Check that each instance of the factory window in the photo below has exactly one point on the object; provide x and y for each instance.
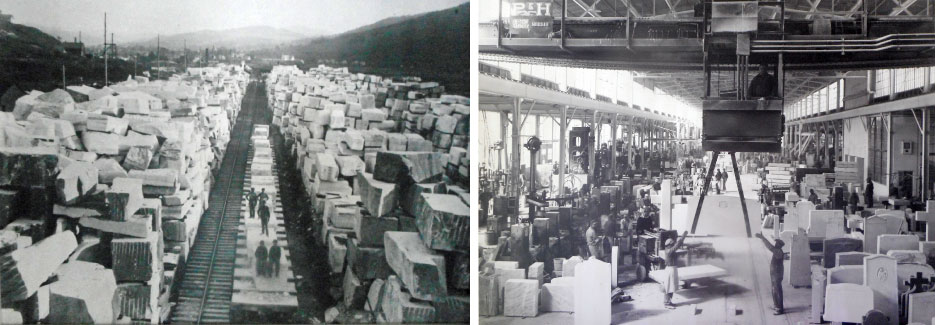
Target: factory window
(883, 83)
(878, 142)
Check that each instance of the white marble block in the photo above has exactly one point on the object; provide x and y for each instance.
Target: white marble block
(921, 306)
(559, 297)
(521, 298)
(535, 272)
(592, 292)
(847, 302)
(886, 243)
(880, 276)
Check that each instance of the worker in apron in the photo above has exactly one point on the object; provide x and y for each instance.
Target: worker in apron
(671, 283)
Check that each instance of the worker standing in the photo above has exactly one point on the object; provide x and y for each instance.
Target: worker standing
(252, 198)
(762, 85)
(671, 283)
(853, 201)
(275, 253)
(812, 196)
(593, 237)
(261, 255)
(868, 193)
(263, 196)
(717, 179)
(775, 272)
(264, 218)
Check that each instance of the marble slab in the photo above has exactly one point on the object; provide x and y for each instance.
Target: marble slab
(592, 292)
(521, 298)
(847, 302)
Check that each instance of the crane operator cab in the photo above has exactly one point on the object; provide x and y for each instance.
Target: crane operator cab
(747, 117)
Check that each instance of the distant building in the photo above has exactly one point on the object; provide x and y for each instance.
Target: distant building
(76, 47)
(5, 19)
(287, 57)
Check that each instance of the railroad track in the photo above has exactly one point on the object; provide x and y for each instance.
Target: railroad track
(204, 294)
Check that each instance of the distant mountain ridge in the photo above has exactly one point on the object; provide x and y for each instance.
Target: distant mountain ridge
(246, 38)
(433, 45)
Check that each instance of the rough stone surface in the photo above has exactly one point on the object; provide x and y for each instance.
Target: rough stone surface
(399, 307)
(419, 268)
(443, 221)
(25, 269)
(419, 167)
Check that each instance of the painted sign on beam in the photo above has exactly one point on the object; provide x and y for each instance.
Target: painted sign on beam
(531, 19)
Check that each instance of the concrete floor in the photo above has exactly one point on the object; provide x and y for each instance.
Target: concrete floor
(746, 288)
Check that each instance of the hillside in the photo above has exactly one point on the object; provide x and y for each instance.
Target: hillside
(244, 38)
(32, 59)
(434, 46)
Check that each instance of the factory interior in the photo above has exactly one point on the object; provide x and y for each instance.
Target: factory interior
(710, 162)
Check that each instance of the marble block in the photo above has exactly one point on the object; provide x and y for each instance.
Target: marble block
(907, 256)
(906, 271)
(592, 292)
(826, 223)
(521, 298)
(557, 297)
(568, 267)
(818, 295)
(895, 221)
(850, 258)
(928, 249)
(838, 245)
(885, 243)
(846, 274)
(921, 307)
(847, 302)
(535, 272)
(489, 296)
(880, 276)
(874, 226)
(786, 236)
(799, 261)
(504, 275)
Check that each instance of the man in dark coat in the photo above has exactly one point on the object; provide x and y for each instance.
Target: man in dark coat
(264, 218)
(762, 85)
(868, 194)
(261, 256)
(252, 198)
(275, 252)
(775, 272)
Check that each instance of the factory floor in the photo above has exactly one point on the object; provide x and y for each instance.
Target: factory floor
(743, 296)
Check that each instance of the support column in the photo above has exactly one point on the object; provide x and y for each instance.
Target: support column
(540, 138)
(502, 156)
(613, 148)
(591, 163)
(562, 150)
(514, 169)
(925, 154)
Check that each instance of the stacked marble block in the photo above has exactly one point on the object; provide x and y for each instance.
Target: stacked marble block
(119, 170)
(397, 234)
(873, 272)
(524, 294)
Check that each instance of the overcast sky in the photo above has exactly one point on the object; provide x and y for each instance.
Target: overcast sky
(138, 19)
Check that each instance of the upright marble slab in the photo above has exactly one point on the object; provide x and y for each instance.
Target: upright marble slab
(802, 210)
(592, 293)
(557, 297)
(819, 280)
(535, 272)
(928, 217)
(521, 298)
(846, 274)
(895, 221)
(839, 245)
(885, 243)
(921, 307)
(850, 258)
(874, 226)
(826, 224)
(799, 261)
(786, 236)
(906, 271)
(847, 302)
(907, 256)
(614, 267)
(880, 276)
(568, 267)
(928, 249)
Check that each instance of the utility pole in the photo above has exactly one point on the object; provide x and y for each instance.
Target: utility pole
(158, 67)
(105, 49)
